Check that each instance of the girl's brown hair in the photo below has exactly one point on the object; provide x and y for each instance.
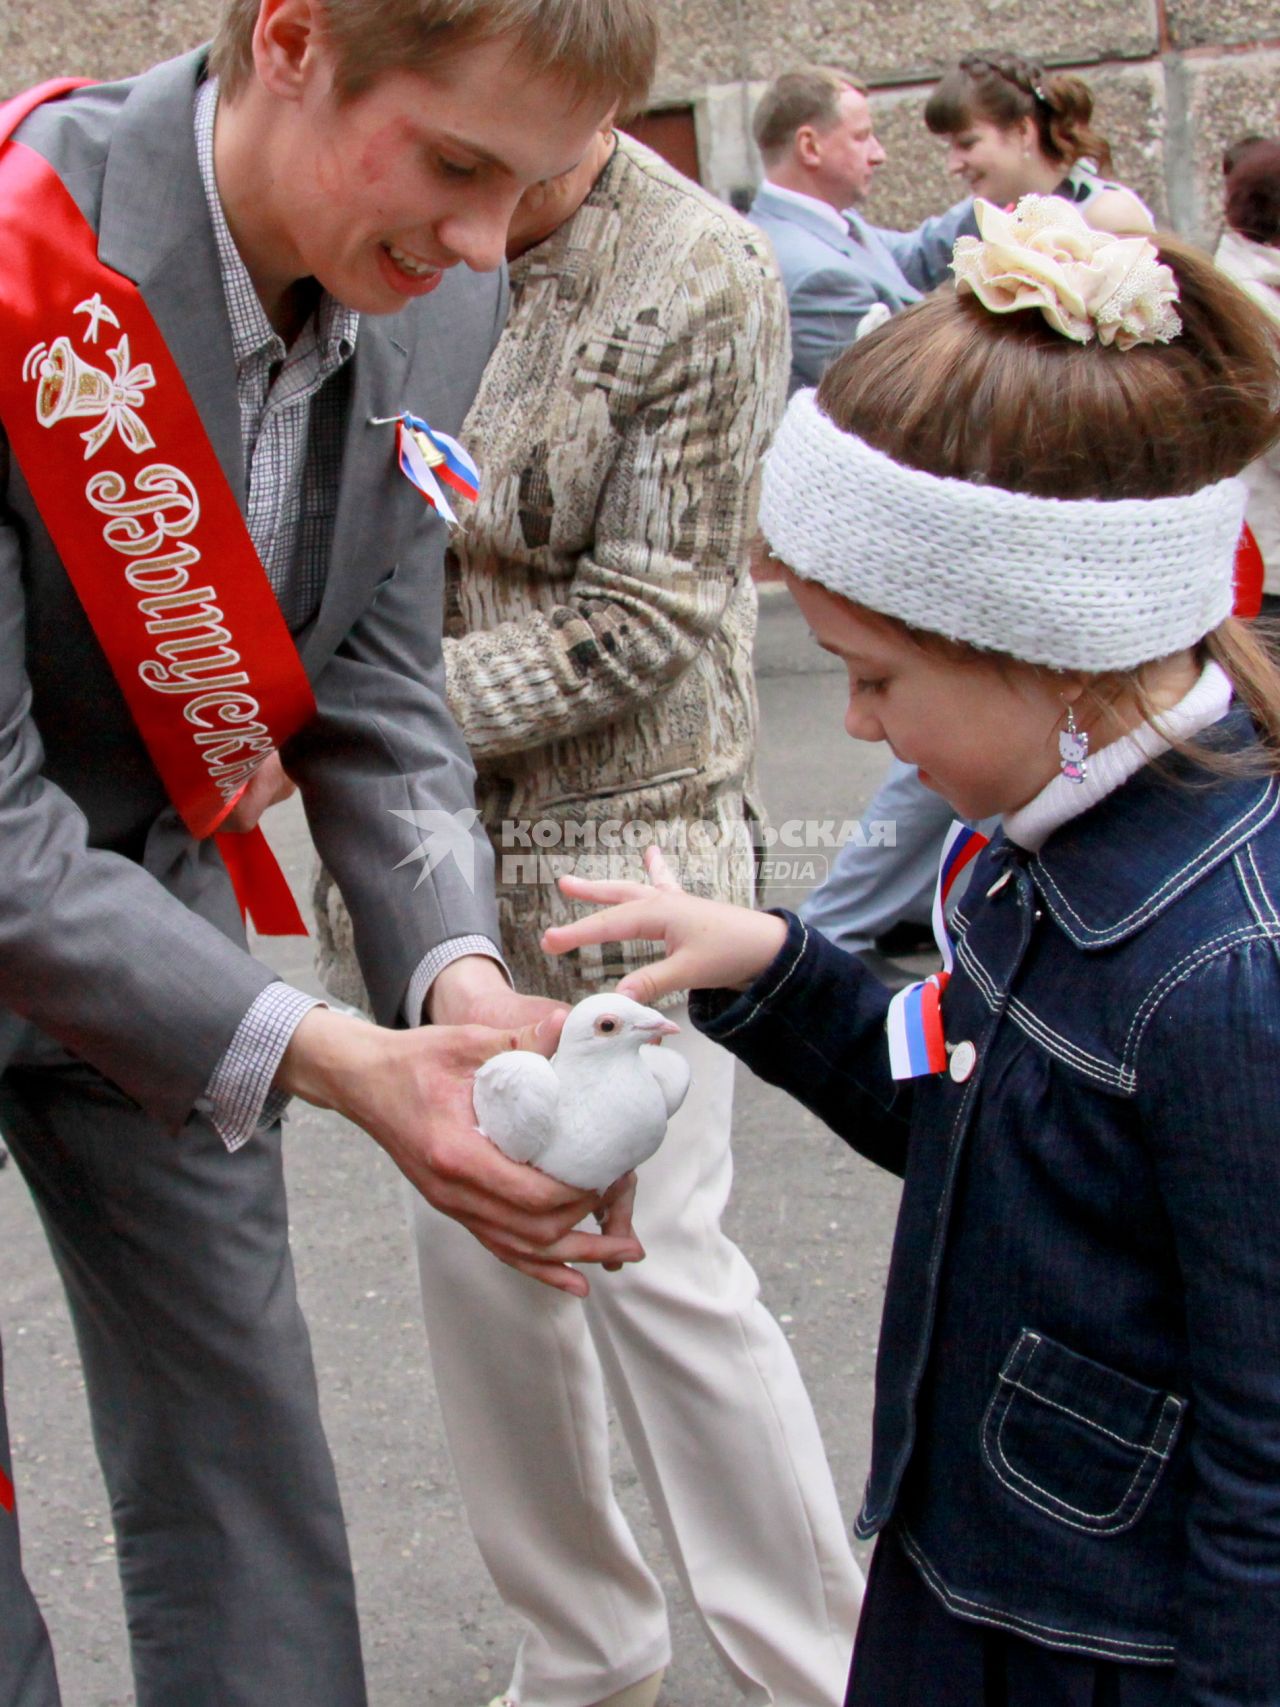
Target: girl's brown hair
(1004, 89)
(1253, 192)
(1004, 400)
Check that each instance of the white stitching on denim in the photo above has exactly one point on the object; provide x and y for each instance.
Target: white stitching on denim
(1091, 1065)
(1072, 1053)
(1096, 1519)
(771, 993)
(1177, 974)
(981, 978)
(1164, 1431)
(1246, 886)
(1264, 895)
(1099, 1523)
(1033, 1026)
(1109, 1647)
(966, 1097)
(1199, 859)
(1124, 1077)
(1092, 1422)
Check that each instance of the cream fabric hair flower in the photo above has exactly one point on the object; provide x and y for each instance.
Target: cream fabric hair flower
(1086, 283)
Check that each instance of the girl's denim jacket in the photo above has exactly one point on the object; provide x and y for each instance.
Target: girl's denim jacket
(1077, 1414)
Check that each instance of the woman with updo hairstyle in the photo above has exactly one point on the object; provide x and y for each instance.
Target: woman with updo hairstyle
(1014, 129)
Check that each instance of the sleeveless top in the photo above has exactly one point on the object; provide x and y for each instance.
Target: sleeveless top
(1083, 183)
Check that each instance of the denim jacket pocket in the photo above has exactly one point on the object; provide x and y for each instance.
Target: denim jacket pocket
(1078, 1441)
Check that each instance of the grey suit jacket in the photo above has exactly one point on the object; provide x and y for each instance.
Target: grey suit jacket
(119, 938)
(832, 280)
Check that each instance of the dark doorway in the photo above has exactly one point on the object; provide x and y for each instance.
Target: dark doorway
(670, 132)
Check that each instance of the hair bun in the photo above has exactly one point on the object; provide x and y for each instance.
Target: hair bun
(1086, 283)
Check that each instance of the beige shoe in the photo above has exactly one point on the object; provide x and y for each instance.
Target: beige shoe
(642, 1694)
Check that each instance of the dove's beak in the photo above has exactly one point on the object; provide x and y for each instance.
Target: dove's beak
(657, 1029)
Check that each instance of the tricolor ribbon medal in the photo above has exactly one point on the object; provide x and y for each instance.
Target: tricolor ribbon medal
(914, 1021)
(431, 460)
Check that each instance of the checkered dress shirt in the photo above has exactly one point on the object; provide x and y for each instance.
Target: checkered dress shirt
(292, 495)
(293, 463)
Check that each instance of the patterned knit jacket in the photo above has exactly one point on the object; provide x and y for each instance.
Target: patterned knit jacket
(600, 618)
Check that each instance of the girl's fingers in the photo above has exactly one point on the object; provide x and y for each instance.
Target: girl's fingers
(629, 922)
(606, 892)
(660, 873)
(649, 984)
(601, 890)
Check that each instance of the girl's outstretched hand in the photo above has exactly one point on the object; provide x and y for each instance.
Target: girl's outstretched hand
(710, 944)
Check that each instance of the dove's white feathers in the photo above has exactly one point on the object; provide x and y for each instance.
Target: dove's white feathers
(517, 1094)
(672, 1073)
(599, 1107)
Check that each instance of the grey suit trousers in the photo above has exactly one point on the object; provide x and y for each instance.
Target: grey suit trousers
(26, 1660)
(202, 1392)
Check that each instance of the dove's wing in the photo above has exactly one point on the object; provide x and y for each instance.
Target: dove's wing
(516, 1096)
(670, 1070)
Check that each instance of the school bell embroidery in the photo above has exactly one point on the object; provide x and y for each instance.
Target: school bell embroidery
(68, 386)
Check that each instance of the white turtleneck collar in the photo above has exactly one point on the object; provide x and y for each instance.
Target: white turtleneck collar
(1060, 800)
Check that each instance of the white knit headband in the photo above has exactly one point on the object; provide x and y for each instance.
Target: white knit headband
(1073, 583)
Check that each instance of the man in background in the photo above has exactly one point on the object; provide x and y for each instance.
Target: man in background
(814, 132)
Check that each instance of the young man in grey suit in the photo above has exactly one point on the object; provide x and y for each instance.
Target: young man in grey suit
(814, 132)
(301, 211)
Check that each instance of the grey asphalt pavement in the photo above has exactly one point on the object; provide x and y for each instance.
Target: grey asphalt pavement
(815, 1220)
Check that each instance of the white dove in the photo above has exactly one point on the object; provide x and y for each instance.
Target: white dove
(598, 1107)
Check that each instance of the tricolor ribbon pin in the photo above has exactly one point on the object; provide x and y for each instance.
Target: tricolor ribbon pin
(917, 1045)
(431, 460)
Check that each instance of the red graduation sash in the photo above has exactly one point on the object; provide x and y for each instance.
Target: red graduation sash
(148, 529)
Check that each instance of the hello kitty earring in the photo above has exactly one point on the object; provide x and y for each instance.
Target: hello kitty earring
(1073, 750)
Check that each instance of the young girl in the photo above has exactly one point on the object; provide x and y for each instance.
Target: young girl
(1014, 129)
(1012, 513)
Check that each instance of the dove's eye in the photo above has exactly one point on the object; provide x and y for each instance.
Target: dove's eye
(606, 1026)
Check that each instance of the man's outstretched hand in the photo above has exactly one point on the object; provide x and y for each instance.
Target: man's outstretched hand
(411, 1091)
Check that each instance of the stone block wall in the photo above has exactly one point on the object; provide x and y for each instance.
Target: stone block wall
(1175, 80)
(95, 38)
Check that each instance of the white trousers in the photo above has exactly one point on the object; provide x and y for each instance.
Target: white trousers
(716, 1416)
